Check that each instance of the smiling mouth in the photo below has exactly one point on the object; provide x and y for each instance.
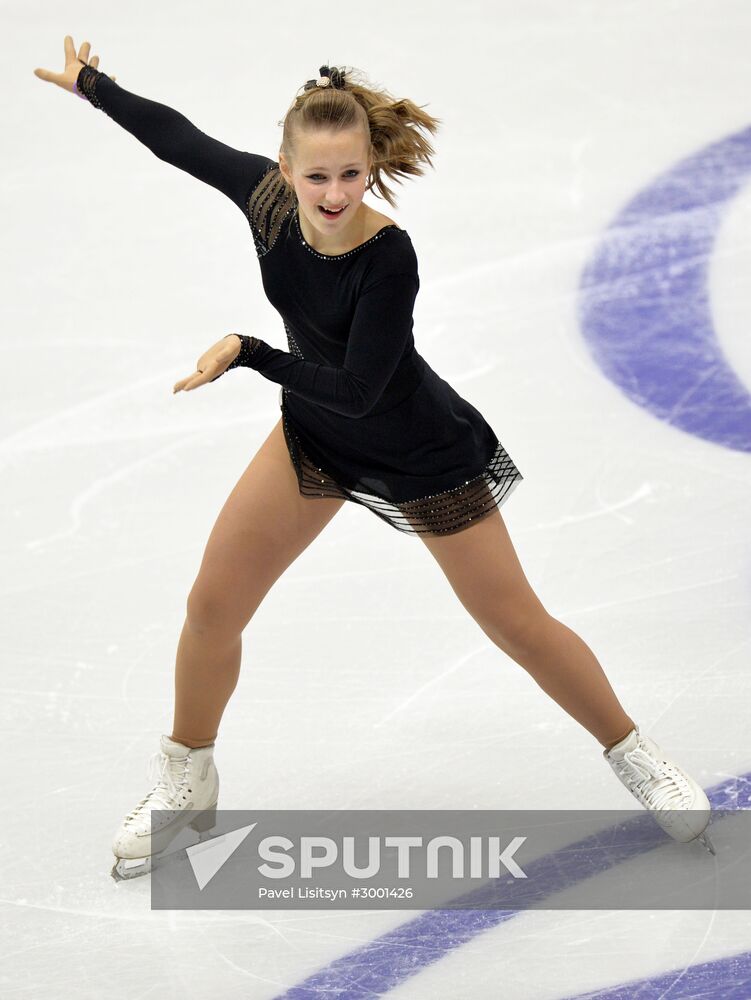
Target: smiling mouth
(329, 214)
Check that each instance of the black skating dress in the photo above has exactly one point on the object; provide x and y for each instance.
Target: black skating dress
(365, 417)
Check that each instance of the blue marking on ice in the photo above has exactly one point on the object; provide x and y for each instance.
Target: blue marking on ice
(644, 305)
(389, 960)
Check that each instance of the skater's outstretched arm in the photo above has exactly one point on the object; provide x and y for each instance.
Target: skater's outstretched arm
(380, 336)
(166, 132)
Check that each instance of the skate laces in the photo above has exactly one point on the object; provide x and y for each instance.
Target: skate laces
(660, 785)
(162, 794)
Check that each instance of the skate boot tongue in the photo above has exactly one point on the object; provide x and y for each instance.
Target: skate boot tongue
(628, 743)
(174, 749)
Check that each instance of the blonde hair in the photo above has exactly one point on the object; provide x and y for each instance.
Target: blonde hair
(396, 146)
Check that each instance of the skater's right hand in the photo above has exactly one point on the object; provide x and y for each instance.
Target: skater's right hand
(73, 63)
(212, 363)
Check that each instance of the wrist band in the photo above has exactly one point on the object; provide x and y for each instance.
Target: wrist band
(248, 348)
(89, 75)
(76, 91)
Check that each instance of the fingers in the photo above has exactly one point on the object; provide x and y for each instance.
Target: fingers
(192, 381)
(94, 61)
(70, 58)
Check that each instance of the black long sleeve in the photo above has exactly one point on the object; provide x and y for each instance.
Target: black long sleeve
(173, 138)
(380, 332)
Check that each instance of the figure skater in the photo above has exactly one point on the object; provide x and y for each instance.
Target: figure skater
(363, 418)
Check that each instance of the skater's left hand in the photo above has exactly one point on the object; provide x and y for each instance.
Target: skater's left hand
(212, 363)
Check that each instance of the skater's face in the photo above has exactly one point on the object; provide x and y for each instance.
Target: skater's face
(329, 169)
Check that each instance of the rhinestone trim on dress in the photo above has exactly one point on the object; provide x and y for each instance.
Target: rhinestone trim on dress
(248, 347)
(86, 82)
(292, 343)
(268, 205)
(436, 514)
(341, 256)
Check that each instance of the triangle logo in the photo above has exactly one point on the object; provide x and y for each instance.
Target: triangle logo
(208, 857)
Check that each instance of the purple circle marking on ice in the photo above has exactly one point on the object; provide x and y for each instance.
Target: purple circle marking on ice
(392, 958)
(644, 302)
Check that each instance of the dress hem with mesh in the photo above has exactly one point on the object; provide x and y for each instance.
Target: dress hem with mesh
(437, 514)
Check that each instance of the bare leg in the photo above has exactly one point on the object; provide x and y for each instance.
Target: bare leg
(206, 673)
(484, 571)
(262, 528)
(568, 671)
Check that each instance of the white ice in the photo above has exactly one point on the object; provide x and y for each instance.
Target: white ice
(365, 683)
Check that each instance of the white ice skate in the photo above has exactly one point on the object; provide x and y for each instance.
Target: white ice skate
(661, 786)
(186, 779)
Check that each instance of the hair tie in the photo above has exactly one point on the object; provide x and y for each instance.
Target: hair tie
(329, 77)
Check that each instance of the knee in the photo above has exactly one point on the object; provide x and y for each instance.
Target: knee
(208, 612)
(516, 629)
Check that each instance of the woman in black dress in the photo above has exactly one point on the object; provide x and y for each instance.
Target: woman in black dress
(363, 418)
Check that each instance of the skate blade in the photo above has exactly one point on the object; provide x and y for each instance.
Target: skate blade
(125, 868)
(704, 839)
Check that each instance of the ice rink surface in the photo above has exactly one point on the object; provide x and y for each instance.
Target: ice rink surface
(584, 259)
